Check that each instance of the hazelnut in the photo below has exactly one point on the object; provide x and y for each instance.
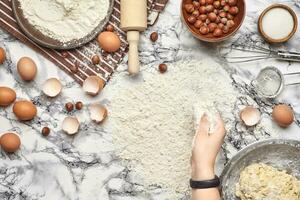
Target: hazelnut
(217, 4)
(196, 13)
(196, 4)
(218, 20)
(79, 105)
(95, 59)
(189, 8)
(216, 11)
(74, 68)
(229, 16)
(209, 2)
(224, 20)
(212, 16)
(222, 14)
(226, 8)
(202, 17)
(46, 131)
(225, 29)
(220, 25)
(2, 55)
(232, 2)
(154, 36)
(204, 30)
(209, 8)
(64, 54)
(191, 19)
(202, 10)
(234, 10)
(207, 21)
(212, 27)
(202, 2)
(110, 28)
(223, 2)
(69, 106)
(230, 23)
(198, 24)
(217, 32)
(163, 68)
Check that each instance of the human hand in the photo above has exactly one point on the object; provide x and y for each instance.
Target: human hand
(206, 147)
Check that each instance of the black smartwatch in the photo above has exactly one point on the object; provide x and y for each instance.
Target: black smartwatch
(205, 184)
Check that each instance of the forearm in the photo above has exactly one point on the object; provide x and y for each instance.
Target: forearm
(204, 173)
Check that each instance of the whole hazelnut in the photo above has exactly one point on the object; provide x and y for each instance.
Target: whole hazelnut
(217, 4)
(222, 14)
(154, 36)
(196, 13)
(218, 20)
(212, 17)
(79, 105)
(64, 54)
(163, 68)
(217, 32)
(209, 2)
(225, 29)
(202, 17)
(202, 10)
(223, 2)
(229, 16)
(2, 55)
(198, 24)
(95, 59)
(230, 23)
(226, 8)
(209, 8)
(220, 25)
(224, 20)
(196, 4)
(232, 2)
(202, 2)
(234, 10)
(189, 8)
(216, 11)
(110, 28)
(191, 19)
(207, 21)
(204, 30)
(74, 68)
(212, 27)
(69, 106)
(46, 131)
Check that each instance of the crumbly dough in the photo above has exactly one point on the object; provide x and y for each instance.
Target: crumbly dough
(263, 182)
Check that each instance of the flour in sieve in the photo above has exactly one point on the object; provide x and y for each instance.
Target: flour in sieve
(153, 122)
(65, 20)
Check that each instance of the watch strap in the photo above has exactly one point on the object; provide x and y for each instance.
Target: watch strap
(205, 183)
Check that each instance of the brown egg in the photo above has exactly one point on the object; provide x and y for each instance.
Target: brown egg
(24, 110)
(109, 41)
(27, 69)
(2, 55)
(10, 142)
(283, 115)
(7, 96)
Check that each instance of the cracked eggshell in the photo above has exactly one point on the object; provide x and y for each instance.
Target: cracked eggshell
(93, 85)
(70, 125)
(98, 113)
(52, 87)
(250, 116)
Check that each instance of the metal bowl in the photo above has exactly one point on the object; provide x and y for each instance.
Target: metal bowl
(279, 153)
(45, 41)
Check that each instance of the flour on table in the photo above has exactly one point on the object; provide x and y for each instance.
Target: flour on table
(65, 20)
(153, 122)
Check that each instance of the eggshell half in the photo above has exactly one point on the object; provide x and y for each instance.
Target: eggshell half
(98, 112)
(70, 125)
(250, 116)
(93, 85)
(52, 87)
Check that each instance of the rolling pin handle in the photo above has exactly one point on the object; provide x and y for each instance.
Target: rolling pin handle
(133, 38)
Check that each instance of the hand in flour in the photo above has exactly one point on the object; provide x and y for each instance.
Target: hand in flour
(206, 147)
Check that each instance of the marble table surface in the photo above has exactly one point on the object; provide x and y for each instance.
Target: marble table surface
(85, 167)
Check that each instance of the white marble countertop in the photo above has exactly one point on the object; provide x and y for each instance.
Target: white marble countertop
(85, 167)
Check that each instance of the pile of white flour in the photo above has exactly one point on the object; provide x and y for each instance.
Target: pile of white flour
(153, 122)
(65, 20)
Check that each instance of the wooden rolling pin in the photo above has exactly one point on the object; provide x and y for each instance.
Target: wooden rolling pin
(133, 20)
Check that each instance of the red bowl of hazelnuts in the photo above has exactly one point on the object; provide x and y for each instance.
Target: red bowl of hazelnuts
(213, 20)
